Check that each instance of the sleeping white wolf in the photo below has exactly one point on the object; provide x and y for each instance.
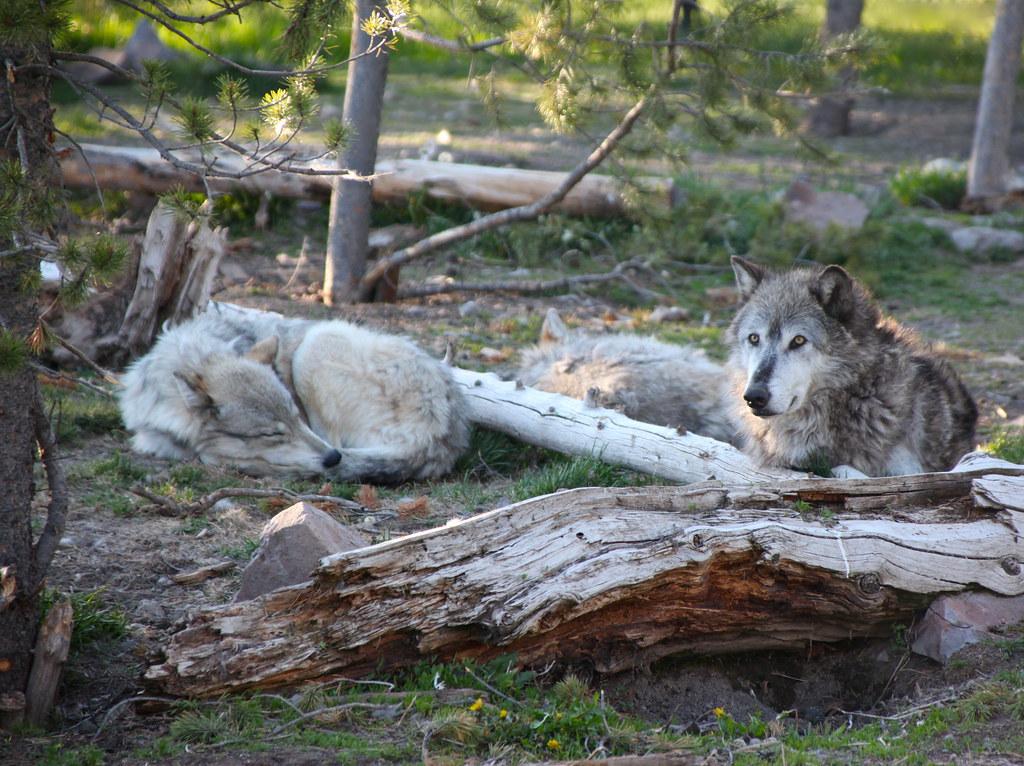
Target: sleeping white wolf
(274, 396)
(641, 377)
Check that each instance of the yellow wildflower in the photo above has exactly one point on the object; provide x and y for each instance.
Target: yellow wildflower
(478, 704)
(502, 714)
(554, 744)
(719, 712)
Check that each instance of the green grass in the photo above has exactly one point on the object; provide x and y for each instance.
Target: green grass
(95, 620)
(571, 472)
(81, 413)
(1007, 443)
(941, 190)
(105, 481)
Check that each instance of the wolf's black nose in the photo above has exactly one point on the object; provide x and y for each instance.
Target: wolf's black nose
(331, 458)
(757, 397)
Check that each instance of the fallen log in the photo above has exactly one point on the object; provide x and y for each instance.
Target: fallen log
(478, 186)
(577, 427)
(611, 577)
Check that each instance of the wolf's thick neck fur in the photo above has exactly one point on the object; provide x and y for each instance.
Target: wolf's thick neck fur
(877, 398)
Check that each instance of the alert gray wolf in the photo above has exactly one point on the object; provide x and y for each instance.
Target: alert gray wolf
(283, 397)
(641, 377)
(826, 378)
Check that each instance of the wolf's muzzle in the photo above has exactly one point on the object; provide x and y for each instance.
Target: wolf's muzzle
(757, 398)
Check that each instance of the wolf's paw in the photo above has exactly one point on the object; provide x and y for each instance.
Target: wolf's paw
(847, 472)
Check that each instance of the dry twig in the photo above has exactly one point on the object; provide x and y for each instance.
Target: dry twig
(170, 507)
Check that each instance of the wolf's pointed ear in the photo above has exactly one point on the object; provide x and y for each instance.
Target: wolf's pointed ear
(834, 290)
(553, 330)
(193, 390)
(748, 276)
(265, 352)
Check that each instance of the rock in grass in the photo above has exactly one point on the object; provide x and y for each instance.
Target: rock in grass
(291, 546)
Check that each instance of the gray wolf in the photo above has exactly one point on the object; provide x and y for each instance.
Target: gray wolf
(642, 377)
(826, 378)
(283, 397)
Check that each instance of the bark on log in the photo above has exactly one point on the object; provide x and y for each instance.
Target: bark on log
(573, 427)
(51, 653)
(478, 186)
(611, 577)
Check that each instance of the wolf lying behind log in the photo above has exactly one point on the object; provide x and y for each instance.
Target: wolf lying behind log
(817, 378)
(641, 377)
(826, 378)
(274, 396)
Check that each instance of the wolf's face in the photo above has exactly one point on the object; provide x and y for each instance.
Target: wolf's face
(781, 360)
(782, 334)
(245, 417)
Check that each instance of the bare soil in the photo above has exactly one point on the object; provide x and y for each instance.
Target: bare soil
(132, 557)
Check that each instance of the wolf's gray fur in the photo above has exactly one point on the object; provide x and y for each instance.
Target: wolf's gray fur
(826, 377)
(642, 377)
(290, 397)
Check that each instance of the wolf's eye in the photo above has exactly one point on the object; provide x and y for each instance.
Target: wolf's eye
(754, 338)
(798, 341)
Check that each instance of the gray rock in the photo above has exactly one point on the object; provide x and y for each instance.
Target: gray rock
(952, 622)
(150, 611)
(819, 210)
(978, 239)
(291, 546)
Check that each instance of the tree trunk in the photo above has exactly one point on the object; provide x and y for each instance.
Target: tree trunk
(351, 201)
(830, 115)
(26, 129)
(986, 173)
(617, 578)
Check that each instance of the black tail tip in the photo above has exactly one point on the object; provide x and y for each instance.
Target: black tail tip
(331, 458)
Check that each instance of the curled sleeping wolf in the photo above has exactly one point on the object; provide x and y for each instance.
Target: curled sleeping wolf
(826, 378)
(274, 396)
(644, 378)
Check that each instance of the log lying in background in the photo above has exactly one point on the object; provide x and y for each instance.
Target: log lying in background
(478, 186)
(573, 427)
(612, 577)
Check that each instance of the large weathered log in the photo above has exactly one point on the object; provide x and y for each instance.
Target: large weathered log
(576, 427)
(478, 186)
(612, 577)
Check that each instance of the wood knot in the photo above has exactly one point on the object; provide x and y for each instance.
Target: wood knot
(698, 541)
(1010, 565)
(869, 584)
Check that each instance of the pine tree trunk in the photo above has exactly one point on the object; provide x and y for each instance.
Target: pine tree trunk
(26, 128)
(351, 203)
(830, 116)
(986, 175)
